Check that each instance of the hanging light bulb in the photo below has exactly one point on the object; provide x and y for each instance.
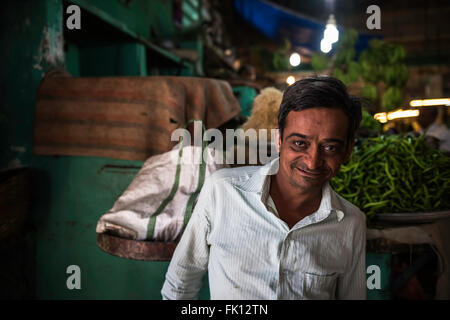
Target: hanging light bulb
(330, 35)
(325, 45)
(331, 32)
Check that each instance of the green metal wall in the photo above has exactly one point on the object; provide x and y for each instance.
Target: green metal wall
(71, 193)
(31, 44)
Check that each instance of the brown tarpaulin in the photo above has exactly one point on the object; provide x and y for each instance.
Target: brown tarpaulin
(124, 117)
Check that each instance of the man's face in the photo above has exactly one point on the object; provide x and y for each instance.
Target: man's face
(313, 147)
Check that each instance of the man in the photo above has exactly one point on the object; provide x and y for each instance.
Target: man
(433, 129)
(280, 231)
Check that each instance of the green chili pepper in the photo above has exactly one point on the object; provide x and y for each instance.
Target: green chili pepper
(395, 174)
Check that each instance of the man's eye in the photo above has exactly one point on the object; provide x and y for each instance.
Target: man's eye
(330, 148)
(299, 143)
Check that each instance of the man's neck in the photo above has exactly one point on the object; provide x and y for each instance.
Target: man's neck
(293, 204)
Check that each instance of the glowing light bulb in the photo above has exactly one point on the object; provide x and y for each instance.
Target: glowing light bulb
(295, 59)
(429, 102)
(290, 80)
(331, 32)
(402, 114)
(325, 46)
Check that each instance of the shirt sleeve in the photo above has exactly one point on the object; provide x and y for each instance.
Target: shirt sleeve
(184, 277)
(352, 284)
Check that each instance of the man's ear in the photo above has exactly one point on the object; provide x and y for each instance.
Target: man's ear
(277, 139)
(349, 151)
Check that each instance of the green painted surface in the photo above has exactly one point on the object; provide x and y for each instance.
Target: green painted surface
(73, 60)
(383, 261)
(109, 45)
(137, 17)
(195, 43)
(72, 194)
(246, 95)
(126, 59)
(191, 13)
(136, 20)
(31, 44)
(69, 193)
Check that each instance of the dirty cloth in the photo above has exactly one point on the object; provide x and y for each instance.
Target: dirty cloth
(435, 234)
(128, 118)
(130, 215)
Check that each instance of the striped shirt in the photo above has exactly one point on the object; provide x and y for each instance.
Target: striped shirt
(250, 253)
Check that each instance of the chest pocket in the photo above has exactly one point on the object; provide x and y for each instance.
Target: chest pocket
(316, 287)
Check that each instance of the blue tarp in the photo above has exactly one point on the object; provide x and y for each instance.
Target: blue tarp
(277, 23)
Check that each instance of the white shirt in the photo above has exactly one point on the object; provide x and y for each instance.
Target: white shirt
(250, 253)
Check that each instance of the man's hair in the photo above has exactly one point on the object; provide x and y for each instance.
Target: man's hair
(327, 92)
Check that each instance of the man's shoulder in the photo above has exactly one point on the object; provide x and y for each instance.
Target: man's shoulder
(235, 176)
(350, 210)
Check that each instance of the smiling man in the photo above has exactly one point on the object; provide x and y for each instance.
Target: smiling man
(280, 231)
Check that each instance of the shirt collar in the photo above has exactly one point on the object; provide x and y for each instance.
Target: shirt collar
(259, 183)
(257, 180)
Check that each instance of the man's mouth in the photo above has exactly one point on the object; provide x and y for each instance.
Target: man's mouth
(309, 174)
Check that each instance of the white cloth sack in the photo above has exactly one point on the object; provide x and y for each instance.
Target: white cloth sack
(130, 215)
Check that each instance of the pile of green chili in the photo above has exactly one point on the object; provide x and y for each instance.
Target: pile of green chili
(396, 173)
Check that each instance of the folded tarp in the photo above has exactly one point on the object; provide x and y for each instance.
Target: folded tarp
(128, 118)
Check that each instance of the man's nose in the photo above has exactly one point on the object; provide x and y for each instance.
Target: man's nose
(314, 159)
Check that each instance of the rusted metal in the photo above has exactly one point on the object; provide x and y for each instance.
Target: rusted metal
(136, 250)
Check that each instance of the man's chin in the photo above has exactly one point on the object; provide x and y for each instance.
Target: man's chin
(306, 183)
